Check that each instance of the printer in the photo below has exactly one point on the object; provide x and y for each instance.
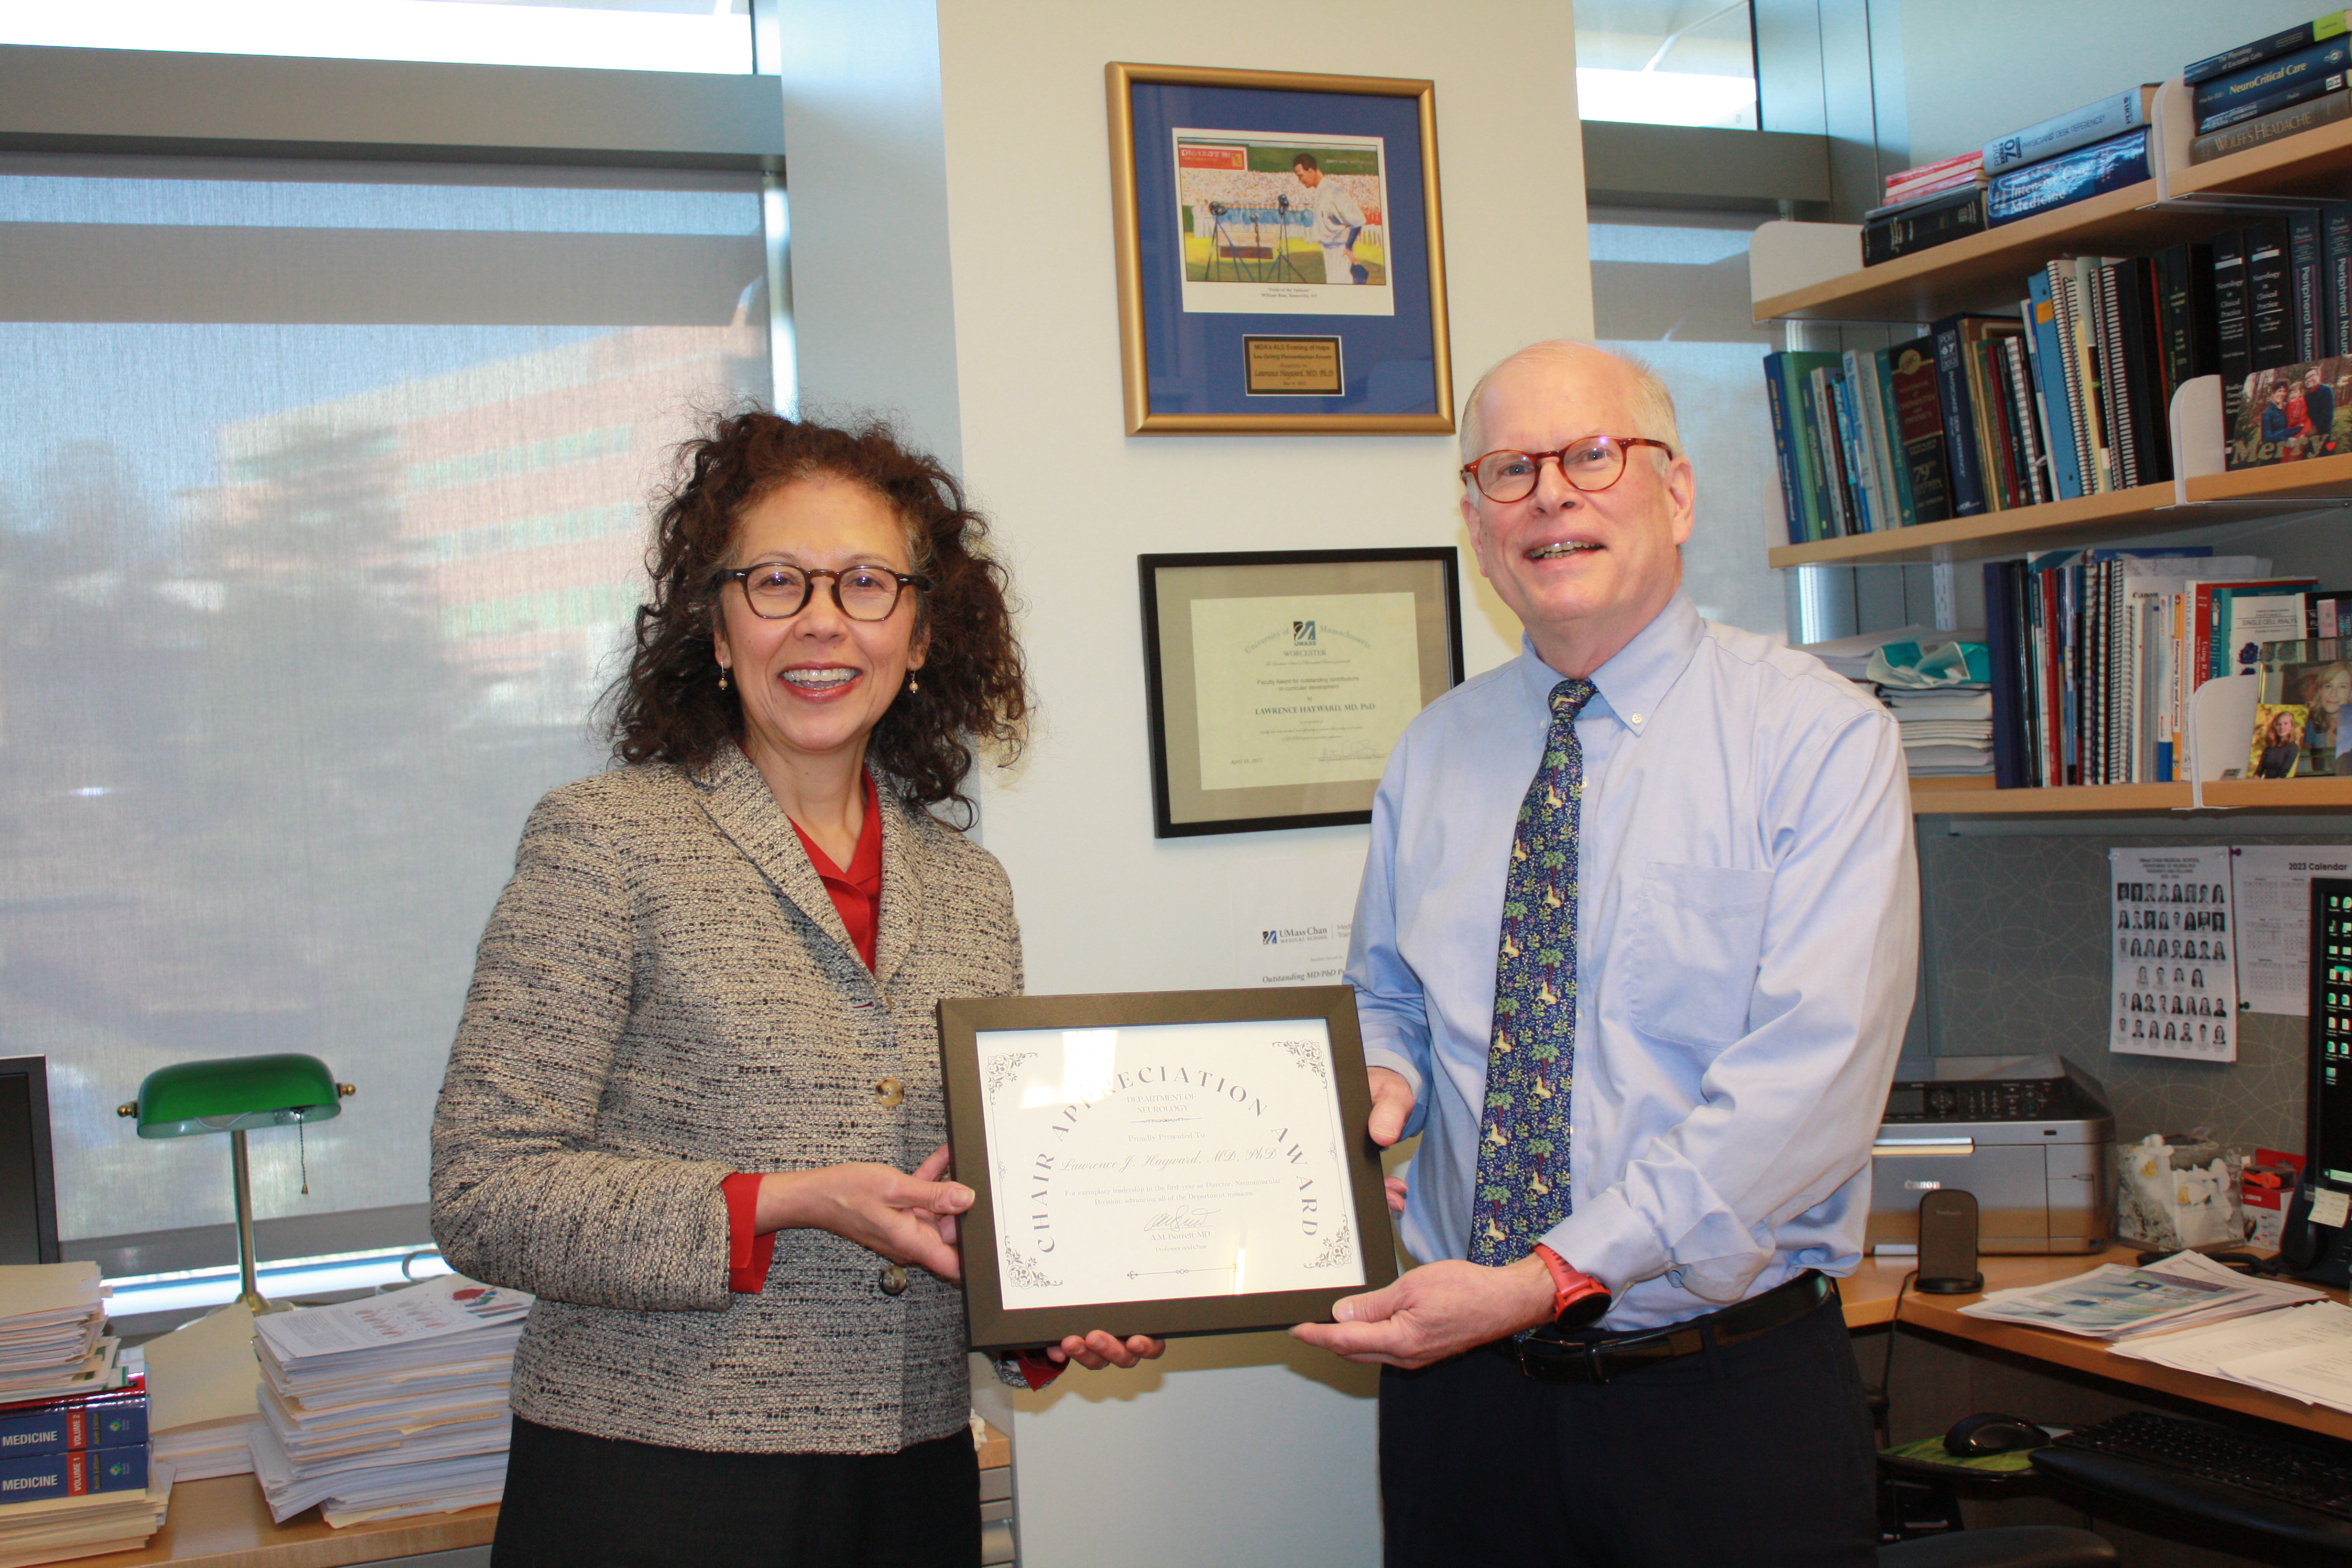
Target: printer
(2029, 1137)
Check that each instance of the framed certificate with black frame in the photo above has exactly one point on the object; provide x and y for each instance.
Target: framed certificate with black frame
(1165, 1163)
(1281, 259)
(1279, 680)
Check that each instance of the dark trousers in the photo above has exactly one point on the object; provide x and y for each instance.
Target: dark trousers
(1754, 1455)
(576, 1502)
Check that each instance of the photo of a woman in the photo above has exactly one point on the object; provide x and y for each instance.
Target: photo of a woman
(2278, 740)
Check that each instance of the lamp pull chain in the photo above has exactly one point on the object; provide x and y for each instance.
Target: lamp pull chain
(302, 1151)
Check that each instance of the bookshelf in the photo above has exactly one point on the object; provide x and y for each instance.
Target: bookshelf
(2088, 520)
(2315, 163)
(1987, 272)
(1976, 797)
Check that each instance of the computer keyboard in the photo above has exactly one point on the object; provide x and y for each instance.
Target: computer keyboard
(2283, 1472)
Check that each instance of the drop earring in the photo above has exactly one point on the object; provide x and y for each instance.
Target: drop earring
(913, 686)
(722, 677)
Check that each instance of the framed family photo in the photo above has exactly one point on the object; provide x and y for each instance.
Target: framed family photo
(1279, 680)
(1281, 263)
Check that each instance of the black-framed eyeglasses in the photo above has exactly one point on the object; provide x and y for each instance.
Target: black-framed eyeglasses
(777, 592)
(1593, 464)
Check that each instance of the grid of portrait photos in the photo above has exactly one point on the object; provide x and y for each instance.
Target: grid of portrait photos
(2176, 988)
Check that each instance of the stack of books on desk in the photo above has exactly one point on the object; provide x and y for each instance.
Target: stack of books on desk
(74, 1464)
(388, 1406)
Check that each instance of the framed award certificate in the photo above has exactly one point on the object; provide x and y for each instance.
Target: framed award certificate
(1169, 1163)
(1279, 680)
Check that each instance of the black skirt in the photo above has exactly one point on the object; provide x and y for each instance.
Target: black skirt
(577, 1502)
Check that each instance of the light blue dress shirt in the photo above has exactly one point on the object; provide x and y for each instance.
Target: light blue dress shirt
(1747, 934)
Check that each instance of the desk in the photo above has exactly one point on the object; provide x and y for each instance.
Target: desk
(1870, 1296)
(223, 1523)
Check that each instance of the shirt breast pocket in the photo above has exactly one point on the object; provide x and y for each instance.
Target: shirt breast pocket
(1696, 941)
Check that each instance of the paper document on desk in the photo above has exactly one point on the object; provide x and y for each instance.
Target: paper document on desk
(451, 1304)
(2207, 1351)
(2112, 1302)
(2315, 1375)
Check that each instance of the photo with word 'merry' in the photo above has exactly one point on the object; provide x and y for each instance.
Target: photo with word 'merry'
(1284, 224)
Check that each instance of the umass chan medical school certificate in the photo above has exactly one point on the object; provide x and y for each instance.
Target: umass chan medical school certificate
(1303, 689)
(1166, 1160)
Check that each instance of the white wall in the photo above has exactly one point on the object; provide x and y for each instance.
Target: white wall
(1235, 1450)
(1972, 71)
(867, 176)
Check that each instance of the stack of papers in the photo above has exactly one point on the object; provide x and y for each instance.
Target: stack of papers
(202, 1408)
(390, 1404)
(51, 1315)
(85, 1526)
(2114, 1302)
(1934, 683)
(1946, 731)
(2305, 1353)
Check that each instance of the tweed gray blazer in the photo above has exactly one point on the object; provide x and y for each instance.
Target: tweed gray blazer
(665, 996)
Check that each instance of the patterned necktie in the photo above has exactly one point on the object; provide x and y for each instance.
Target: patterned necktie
(1522, 1189)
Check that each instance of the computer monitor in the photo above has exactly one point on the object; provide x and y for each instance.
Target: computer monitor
(29, 1194)
(2322, 1250)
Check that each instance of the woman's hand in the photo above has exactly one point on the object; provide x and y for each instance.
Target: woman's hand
(905, 1218)
(1098, 1350)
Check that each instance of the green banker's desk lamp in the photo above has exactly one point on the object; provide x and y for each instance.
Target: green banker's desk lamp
(235, 1095)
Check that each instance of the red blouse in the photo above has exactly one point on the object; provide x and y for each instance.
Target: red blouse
(856, 896)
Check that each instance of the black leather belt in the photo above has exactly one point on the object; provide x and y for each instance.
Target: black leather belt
(1549, 1358)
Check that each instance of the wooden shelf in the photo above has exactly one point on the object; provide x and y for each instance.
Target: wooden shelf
(1976, 797)
(2315, 163)
(1987, 271)
(2317, 479)
(2080, 522)
(2087, 519)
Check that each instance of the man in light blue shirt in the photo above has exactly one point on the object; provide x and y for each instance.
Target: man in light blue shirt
(1746, 929)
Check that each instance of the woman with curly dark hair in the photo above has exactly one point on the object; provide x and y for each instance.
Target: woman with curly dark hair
(693, 1105)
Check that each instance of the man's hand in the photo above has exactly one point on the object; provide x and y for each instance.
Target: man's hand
(1437, 1310)
(1101, 1349)
(1392, 1105)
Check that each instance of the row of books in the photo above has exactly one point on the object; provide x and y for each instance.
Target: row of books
(2270, 75)
(2072, 396)
(2277, 86)
(2095, 656)
(2069, 158)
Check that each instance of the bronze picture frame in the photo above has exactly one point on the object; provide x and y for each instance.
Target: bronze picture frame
(1318, 1167)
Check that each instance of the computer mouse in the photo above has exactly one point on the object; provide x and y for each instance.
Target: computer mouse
(1988, 1432)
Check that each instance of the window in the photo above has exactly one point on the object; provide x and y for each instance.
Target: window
(709, 36)
(1666, 62)
(1669, 289)
(323, 513)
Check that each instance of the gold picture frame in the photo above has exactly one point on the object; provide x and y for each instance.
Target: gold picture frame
(1194, 350)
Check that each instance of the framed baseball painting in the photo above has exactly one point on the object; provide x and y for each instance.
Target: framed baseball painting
(1281, 263)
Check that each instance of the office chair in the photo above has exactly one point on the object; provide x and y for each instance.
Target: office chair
(2010, 1546)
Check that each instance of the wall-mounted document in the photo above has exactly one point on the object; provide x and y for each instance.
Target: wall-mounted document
(2271, 883)
(2172, 930)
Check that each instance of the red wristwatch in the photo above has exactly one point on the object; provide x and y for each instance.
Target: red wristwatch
(1578, 1300)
